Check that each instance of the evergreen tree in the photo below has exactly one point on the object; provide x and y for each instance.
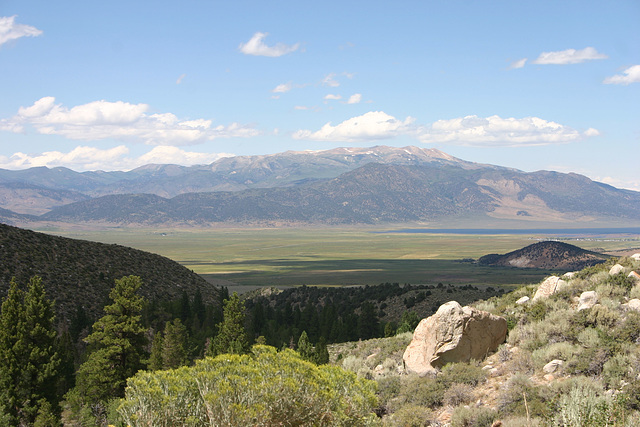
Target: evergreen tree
(174, 345)
(116, 348)
(231, 337)
(321, 352)
(28, 360)
(304, 347)
(155, 359)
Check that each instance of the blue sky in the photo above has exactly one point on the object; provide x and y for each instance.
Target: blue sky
(115, 85)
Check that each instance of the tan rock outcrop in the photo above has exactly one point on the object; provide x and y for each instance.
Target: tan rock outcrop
(616, 269)
(548, 287)
(453, 334)
(587, 300)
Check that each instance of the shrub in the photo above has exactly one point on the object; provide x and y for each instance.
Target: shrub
(411, 416)
(615, 370)
(463, 416)
(511, 400)
(458, 394)
(582, 407)
(265, 388)
(463, 373)
(561, 350)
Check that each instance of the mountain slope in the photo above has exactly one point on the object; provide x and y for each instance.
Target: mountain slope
(549, 255)
(78, 272)
(228, 174)
(377, 193)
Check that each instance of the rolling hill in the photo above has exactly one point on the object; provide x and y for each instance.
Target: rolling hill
(78, 272)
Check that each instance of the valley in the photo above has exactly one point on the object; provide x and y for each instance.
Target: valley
(244, 259)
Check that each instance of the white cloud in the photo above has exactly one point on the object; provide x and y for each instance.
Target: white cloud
(283, 88)
(496, 131)
(355, 98)
(257, 47)
(628, 184)
(182, 76)
(83, 158)
(370, 126)
(569, 56)
(628, 76)
(119, 120)
(331, 96)
(518, 64)
(329, 80)
(9, 30)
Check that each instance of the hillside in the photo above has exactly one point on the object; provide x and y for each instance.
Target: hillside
(563, 363)
(376, 193)
(81, 273)
(549, 255)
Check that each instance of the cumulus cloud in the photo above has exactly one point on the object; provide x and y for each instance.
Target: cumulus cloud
(355, 98)
(119, 120)
(83, 158)
(9, 30)
(518, 64)
(331, 96)
(497, 131)
(569, 56)
(628, 76)
(370, 126)
(256, 46)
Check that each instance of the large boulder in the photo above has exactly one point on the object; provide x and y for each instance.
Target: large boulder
(453, 334)
(550, 286)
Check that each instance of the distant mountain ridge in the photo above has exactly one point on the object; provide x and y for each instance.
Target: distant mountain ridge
(340, 186)
(372, 194)
(228, 173)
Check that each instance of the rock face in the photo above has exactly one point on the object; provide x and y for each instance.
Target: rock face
(453, 334)
(550, 286)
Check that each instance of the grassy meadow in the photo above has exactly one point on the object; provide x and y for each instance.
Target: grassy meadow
(334, 256)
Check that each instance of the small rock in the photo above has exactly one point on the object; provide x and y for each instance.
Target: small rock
(616, 269)
(487, 367)
(549, 377)
(634, 276)
(636, 257)
(553, 366)
(634, 304)
(587, 300)
(569, 275)
(523, 300)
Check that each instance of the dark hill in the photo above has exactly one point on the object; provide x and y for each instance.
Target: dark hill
(78, 272)
(549, 255)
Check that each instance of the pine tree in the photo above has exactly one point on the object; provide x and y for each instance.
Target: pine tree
(174, 345)
(321, 352)
(116, 348)
(28, 359)
(155, 359)
(304, 347)
(231, 337)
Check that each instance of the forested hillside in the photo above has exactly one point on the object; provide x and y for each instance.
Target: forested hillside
(79, 273)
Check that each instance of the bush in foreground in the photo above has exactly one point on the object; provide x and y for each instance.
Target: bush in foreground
(266, 387)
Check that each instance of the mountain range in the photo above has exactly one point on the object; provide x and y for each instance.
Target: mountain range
(340, 186)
